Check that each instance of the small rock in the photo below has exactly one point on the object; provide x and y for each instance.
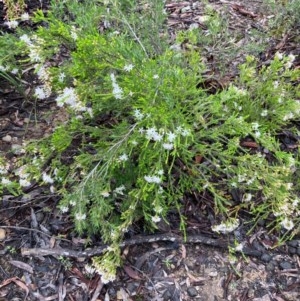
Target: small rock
(2, 234)
(285, 265)
(40, 216)
(250, 293)
(294, 243)
(132, 287)
(192, 291)
(298, 251)
(266, 257)
(270, 267)
(292, 250)
(258, 246)
(167, 295)
(7, 138)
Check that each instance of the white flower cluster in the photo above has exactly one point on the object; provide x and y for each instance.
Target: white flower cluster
(255, 126)
(289, 61)
(237, 91)
(47, 178)
(156, 178)
(160, 135)
(128, 67)
(12, 24)
(74, 35)
(23, 177)
(117, 91)
(227, 226)
(285, 210)
(104, 268)
(4, 169)
(70, 98)
(287, 224)
(120, 190)
(80, 216)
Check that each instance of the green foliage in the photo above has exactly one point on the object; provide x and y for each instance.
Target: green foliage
(138, 120)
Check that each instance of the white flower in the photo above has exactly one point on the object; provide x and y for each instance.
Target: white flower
(155, 219)
(120, 189)
(185, 132)
(155, 76)
(275, 84)
(291, 57)
(247, 197)
(35, 54)
(287, 224)
(153, 179)
(117, 91)
(2, 68)
(14, 71)
(123, 158)
(64, 209)
(289, 186)
(70, 98)
(279, 55)
(158, 209)
(257, 134)
(25, 38)
(254, 126)
(106, 278)
(168, 146)
(105, 194)
(239, 247)
(128, 68)
(5, 181)
(138, 115)
(160, 172)
(74, 35)
(239, 91)
(227, 226)
(12, 24)
(80, 216)
(241, 178)
(61, 77)
(264, 113)
(288, 116)
(47, 178)
(295, 202)
(89, 269)
(152, 134)
(41, 92)
(171, 136)
(24, 182)
(25, 17)
(72, 203)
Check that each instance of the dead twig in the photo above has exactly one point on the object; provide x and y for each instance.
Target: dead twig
(195, 239)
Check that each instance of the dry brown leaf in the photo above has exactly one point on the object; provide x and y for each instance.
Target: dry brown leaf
(131, 272)
(18, 282)
(22, 265)
(195, 279)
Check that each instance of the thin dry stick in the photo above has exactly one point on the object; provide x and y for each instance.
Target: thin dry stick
(196, 239)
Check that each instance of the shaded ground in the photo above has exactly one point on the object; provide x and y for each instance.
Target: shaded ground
(152, 271)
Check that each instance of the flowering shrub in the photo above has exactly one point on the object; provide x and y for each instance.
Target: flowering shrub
(138, 120)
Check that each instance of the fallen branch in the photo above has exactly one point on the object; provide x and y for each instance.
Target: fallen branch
(195, 239)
